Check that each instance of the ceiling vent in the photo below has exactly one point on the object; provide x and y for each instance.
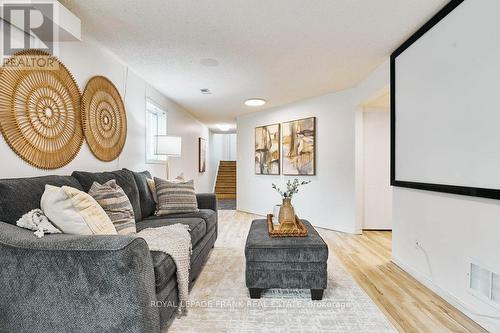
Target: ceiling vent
(484, 284)
(205, 91)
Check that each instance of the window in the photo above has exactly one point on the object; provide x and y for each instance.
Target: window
(156, 124)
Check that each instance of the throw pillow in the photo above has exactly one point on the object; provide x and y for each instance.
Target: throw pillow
(175, 197)
(124, 178)
(37, 221)
(116, 204)
(152, 186)
(75, 212)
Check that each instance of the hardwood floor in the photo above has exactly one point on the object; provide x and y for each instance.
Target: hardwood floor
(410, 306)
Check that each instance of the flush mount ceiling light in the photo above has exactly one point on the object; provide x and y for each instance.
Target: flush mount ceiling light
(255, 102)
(223, 127)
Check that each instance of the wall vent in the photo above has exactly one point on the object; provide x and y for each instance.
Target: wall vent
(484, 283)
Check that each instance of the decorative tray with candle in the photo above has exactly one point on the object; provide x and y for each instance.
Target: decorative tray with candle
(297, 229)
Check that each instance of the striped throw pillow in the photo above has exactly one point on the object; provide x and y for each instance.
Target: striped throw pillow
(152, 186)
(116, 204)
(175, 197)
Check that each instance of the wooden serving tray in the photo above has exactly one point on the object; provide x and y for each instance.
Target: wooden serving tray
(298, 229)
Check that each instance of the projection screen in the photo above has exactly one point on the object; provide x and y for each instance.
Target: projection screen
(445, 103)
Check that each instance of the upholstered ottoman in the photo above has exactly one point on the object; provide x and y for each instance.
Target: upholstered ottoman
(285, 263)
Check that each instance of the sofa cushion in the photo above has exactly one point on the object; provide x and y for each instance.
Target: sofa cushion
(197, 226)
(20, 195)
(124, 178)
(208, 215)
(164, 267)
(146, 200)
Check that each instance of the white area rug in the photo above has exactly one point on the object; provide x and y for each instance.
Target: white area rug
(219, 301)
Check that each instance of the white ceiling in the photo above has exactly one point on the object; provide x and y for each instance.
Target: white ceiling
(279, 50)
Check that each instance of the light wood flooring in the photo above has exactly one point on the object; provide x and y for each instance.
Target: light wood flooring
(410, 306)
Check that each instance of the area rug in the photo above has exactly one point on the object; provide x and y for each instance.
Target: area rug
(219, 302)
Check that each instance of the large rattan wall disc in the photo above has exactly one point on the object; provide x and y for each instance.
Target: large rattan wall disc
(104, 118)
(40, 110)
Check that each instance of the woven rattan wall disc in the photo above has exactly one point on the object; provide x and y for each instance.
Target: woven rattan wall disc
(104, 118)
(40, 109)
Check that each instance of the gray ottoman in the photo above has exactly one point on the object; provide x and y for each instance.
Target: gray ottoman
(285, 263)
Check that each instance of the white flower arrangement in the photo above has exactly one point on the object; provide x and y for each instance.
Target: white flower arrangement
(292, 187)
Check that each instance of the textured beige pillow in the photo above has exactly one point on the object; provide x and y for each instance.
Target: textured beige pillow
(152, 188)
(75, 212)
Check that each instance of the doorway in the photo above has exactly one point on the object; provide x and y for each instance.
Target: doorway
(223, 161)
(373, 162)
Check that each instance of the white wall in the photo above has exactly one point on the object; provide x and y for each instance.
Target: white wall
(450, 229)
(183, 124)
(329, 201)
(86, 59)
(377, 202)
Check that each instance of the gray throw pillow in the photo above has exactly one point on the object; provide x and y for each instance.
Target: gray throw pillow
(175, 197)
(116, 204)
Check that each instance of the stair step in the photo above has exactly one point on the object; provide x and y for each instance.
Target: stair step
(225, 184)
(226, 196)
(218, 188)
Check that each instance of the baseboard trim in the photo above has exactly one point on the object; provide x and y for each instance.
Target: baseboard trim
(490, 325)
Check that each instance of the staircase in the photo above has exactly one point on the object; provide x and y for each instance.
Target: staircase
(225, 185)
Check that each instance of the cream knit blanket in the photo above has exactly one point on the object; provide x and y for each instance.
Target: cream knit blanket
(175, 241)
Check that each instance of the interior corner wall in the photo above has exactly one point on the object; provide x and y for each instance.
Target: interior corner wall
(87, 58)
(330, 200)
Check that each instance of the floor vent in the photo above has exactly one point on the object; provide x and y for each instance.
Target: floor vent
(485, 284)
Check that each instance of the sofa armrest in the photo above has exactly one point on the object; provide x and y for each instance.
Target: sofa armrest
(207, 201)
(75, 283)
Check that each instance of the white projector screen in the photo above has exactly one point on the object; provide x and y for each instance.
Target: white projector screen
(445, 90)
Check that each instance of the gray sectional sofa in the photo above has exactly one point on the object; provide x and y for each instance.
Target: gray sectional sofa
(69, 283)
